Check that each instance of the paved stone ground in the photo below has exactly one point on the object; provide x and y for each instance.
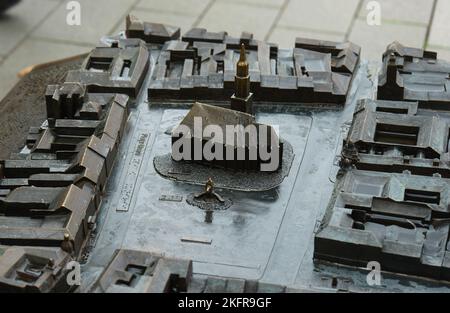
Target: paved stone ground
(36, 31)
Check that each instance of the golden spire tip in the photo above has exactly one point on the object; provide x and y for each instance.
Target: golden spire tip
(243, 56)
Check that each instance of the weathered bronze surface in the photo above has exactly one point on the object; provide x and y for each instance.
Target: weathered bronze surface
(146, 272)
(247, 147)
(392, 199)
(201, 66)
(412, 74)
(390, 203)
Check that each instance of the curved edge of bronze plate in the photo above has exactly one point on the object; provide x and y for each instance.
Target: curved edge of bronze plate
(27, 70)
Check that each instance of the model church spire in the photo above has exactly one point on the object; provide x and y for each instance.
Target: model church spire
(242, 100)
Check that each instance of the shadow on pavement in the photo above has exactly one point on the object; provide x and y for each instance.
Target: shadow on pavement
(5, 5)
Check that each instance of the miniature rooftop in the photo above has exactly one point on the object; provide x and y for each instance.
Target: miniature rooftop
(334, 206)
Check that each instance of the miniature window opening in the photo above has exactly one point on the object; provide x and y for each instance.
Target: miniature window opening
(34, 269)
(364, 149)
(168, 64)
(220, 66)
(70, 105)
(422, 196)
(360, 217)
(304, 71)
(397, 134)
(30, 273)
(379, 150)
(136, 269)
(126, 67)
(130, 283)
(334, 283)
(98, 64)
(173, 284)
(392, 110)
(197, 65)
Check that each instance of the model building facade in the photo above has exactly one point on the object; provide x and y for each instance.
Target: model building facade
(360, 179)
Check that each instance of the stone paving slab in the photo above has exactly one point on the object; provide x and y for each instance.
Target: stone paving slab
(20, 20)
(98, 18)
(182, 7)
(440, 29)
(410, 11)
(264, 3)
(285, 37)
(321, 15)
(236, 18)
(185, 22)
(31, 52)
(375, 39)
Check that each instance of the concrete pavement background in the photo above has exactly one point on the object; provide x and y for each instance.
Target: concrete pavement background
(35, 31)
